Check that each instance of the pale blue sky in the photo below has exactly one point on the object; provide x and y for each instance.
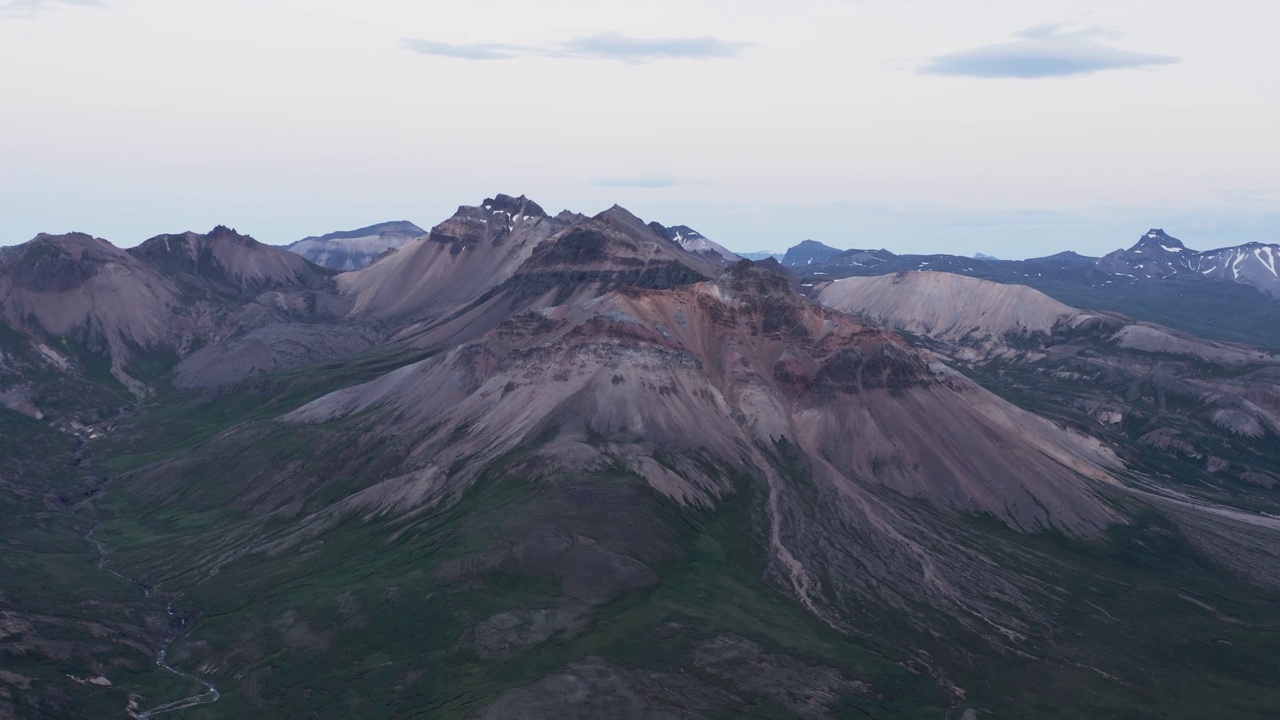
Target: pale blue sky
(1011, 128)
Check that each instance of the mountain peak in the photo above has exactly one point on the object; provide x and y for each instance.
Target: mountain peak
(676, 233)
(1157, 240)
(221, 232)
(228, 259)
(693, 241)
(617, 211)
(74, 242)
(391, 227)
(620, 217)
(513, 205)
(58, 263)
(808, 252)
(812, 245)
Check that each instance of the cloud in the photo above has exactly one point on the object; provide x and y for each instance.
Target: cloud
(30, 8)
(476, 51)
(636, 182)
(601, 46)
(616, 46)
(1046, 50)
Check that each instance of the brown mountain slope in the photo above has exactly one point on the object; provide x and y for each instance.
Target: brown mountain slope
(586, 259)
(229, 260)
(455, 263)
(1203, 414)
(90, 291)
(145, 308)
(689, 386)
(857, 396)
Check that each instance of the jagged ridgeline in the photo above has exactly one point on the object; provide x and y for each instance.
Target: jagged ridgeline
(526, 465)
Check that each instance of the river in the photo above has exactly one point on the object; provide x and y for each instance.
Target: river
(211, 694)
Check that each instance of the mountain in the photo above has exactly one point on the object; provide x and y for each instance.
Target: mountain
(1160, 256)
(506, 256)
(763, 354)
(227, 261)
(356, 249)
(693, 241)
(807, 253)
(87, 291)
(535, 466)
(173, 297)
(947, 306)
(580, 450)
(1155, 256)
(457, 261)
(762, 255)
(1212, 294)
(1252, 264)
(1214, 408)
(956, 308)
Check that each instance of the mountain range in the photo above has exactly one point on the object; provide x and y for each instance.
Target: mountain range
(526, 465)
(1156, 256)
(1230, 294)
(1158, 267)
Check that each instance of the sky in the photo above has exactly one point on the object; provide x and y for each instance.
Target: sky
(1014, 128)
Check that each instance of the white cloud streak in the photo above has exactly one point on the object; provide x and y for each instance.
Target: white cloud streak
(31, 8)
(600, 46)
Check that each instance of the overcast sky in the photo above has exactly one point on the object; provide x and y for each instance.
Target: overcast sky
(1011, 127)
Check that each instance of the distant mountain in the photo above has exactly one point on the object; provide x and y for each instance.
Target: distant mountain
(694, 241)
(763, 255)
(1251, 264)
(808, 253)
(355, 249)
(946, 306)
(967, 310)
(1213, 293)
(1158, 255)
(1214, 407)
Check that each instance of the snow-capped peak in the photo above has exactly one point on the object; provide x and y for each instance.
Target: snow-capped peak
(1156, 241)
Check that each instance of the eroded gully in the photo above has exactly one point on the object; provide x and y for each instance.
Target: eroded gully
(210, 695)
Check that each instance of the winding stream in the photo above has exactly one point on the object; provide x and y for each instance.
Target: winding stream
(211, 694)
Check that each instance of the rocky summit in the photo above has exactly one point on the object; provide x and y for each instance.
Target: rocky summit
(525, 465)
